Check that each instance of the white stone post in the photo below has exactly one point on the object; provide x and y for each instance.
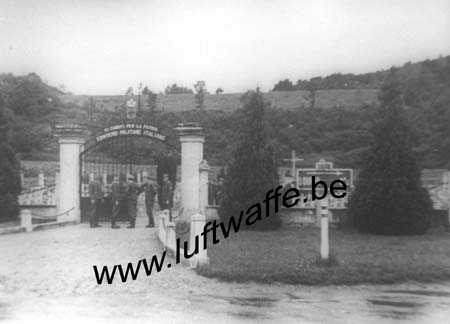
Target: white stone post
(318, 212)
(197, 225)
(22, 180)
(324, 244)
(41, 180)
(26, 220)
(204, 177)
(57, 189)
(71, 138)
(448, 200)
(139, 178)
(192, 139)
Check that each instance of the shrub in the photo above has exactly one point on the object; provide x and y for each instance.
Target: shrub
(9, 171)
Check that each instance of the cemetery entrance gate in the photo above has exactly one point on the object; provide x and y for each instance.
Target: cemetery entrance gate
(119, 151)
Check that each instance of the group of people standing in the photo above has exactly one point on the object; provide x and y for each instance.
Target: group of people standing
(124, 194)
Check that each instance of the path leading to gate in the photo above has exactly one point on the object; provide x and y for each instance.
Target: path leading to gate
(47, 277)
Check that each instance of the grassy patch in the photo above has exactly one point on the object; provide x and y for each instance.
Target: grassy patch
(291, 256)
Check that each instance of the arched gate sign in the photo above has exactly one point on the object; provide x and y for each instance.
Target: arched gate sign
(118, 151)
(130, 129)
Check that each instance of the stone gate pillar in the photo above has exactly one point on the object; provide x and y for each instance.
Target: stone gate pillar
(204, 183)
(57, 189)
(192, 139)
(71, 138)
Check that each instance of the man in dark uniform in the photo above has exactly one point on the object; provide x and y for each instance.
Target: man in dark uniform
(219, 192)
(150, 188)
(119, 191)
(133, 192)
(212, 188)
(166, 193)
(96, 196)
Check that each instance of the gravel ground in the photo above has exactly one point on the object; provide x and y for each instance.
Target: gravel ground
(46, 273)
(59, 261)
(47, 277)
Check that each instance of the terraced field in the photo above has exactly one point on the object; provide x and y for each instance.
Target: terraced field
(289, 100)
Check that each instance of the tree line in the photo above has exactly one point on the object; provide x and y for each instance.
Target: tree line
(428, 71)
(33, 107)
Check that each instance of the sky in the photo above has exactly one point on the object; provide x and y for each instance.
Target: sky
(104, 47)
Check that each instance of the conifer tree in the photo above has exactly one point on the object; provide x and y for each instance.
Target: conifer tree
(9, 170)
(389, 198)
(253, 171)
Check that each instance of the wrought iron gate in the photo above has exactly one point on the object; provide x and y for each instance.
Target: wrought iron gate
(116, 152)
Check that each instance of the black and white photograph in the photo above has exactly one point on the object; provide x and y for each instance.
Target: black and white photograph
(233, 161)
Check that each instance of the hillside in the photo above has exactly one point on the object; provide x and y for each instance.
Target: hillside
(289, 100)
(337, 90)
(372, 80)
(337, 128)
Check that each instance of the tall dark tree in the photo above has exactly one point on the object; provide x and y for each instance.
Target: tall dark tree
(312, 87)
(35, 106)
(146, 91)
(284, 85)
(200, 91)
(176, 89)
(9, 170)
(253, 171)
(389, 198)
(151, 102)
